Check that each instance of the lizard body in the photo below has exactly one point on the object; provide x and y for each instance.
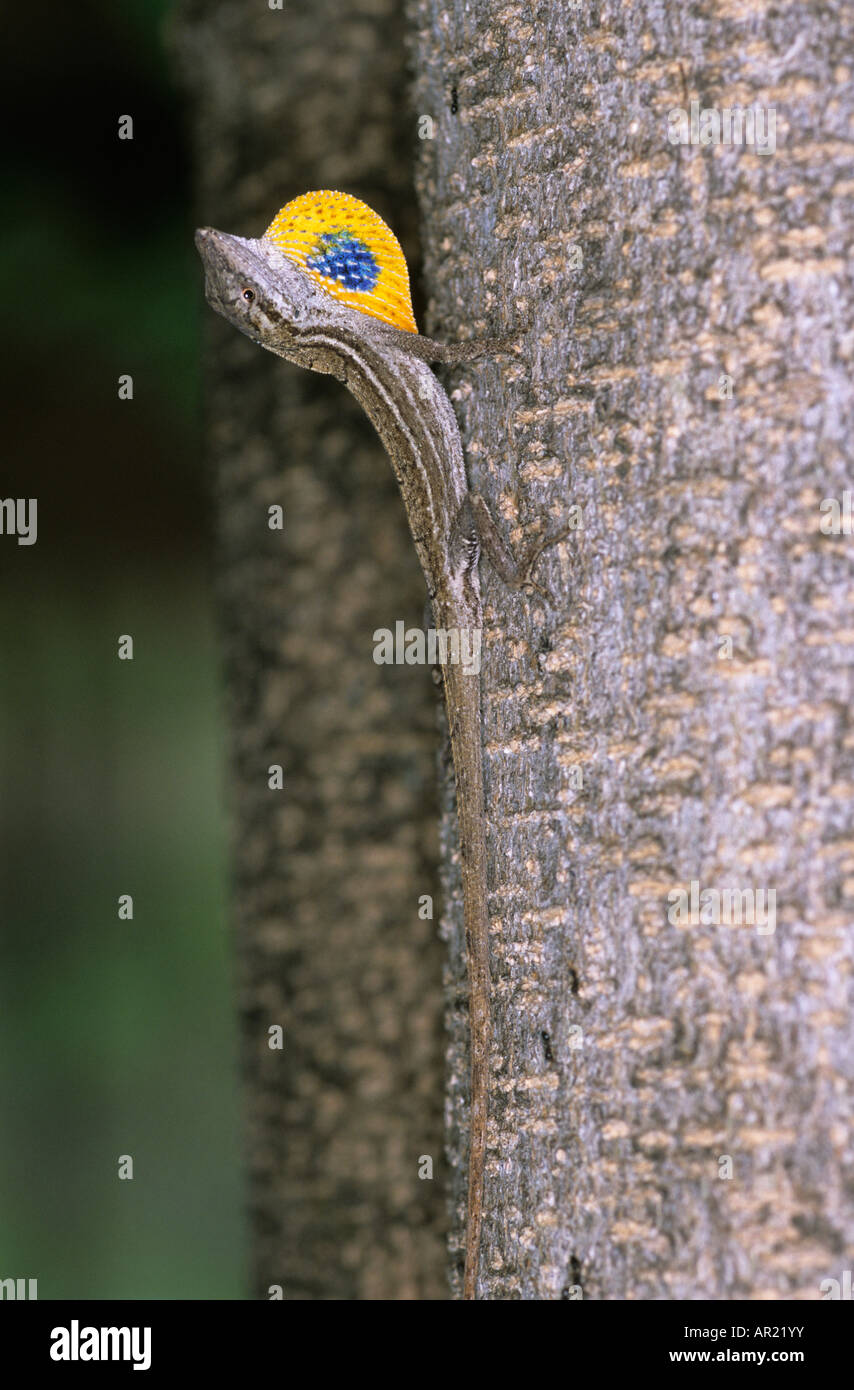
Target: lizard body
(278, 298)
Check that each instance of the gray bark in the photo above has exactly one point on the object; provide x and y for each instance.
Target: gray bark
(692, 665)
(701, 522)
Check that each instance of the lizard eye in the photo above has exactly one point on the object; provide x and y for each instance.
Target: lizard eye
(249, 295)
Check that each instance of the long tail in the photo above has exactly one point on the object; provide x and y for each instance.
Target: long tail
(463, 692)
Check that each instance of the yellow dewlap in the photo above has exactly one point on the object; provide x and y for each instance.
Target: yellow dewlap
(345, 247)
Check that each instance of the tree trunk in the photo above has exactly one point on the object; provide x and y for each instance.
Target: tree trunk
(671, 1098)
(329, 870)
(681, 709)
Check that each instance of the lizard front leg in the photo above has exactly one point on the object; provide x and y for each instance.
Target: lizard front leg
(516, 573)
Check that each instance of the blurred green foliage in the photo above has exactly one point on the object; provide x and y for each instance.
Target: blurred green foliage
(116, 1037)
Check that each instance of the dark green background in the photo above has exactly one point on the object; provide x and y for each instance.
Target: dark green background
(115, 1037)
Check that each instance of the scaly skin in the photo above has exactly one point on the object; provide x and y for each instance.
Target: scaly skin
(304, 312)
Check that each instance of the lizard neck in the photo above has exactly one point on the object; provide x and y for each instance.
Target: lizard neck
(416, 423)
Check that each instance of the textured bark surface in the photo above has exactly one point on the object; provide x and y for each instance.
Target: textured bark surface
(700, 523)
(692, 667)
(328, 871)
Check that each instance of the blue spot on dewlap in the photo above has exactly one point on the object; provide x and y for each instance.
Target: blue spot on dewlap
(339, 256)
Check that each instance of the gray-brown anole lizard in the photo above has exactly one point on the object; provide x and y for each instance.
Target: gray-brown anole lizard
(279, 305)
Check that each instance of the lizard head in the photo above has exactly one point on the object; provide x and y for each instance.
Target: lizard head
(254, 285)
(324, 257)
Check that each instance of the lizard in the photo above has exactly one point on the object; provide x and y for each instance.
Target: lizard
(326, 287)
